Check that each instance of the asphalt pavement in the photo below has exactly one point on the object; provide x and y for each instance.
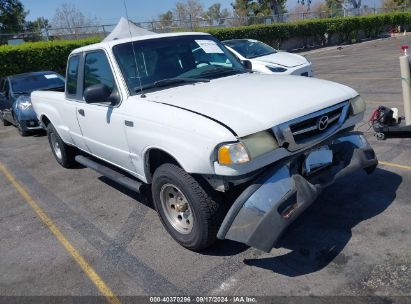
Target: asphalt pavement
(355, 240)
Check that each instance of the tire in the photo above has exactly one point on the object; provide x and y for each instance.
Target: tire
(22, 132)
(63, 153)
(204, 208)
(5, 122)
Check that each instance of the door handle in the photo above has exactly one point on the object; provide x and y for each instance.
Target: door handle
(81, 112)
(129, 123)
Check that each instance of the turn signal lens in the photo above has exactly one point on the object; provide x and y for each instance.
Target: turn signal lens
(233, 154)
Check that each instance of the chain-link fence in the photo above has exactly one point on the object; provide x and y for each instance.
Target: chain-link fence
(161, 26)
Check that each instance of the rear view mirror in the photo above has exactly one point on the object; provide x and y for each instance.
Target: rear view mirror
(97, 93)
(247, 64)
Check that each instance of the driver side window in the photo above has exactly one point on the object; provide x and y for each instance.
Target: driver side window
(97, 70)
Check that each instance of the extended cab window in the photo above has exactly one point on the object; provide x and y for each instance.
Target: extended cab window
(97, 70)
(72, 74)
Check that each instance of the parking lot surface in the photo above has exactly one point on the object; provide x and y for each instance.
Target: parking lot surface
(355, 240)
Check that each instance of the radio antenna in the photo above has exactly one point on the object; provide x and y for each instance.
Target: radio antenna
(134, 52)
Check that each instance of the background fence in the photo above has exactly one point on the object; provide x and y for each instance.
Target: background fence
(51, 33)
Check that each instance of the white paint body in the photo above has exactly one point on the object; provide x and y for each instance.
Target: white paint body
(188, 122)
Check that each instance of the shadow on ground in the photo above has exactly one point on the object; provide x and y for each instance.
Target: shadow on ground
(321, 233)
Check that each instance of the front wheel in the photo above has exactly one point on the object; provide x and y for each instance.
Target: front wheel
(190, 210)
(5, 122)
(20, 128)
(63, 153)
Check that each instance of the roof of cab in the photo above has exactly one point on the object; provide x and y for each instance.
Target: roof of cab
(112, 43)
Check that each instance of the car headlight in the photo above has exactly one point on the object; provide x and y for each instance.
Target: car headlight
(357, 105)
(24, 102)
(308, 60)
(276, 69)
(249, 147)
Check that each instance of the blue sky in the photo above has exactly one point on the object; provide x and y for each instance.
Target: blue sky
(110, 11)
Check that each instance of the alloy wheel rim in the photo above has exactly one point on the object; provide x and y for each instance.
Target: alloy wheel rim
(176, 208)
(56, 146)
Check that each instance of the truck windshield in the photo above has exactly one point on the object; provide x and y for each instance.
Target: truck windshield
(167, 60)
(250, 48)
(25, 84)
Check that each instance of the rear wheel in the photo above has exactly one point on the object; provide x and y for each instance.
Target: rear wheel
(63, 153)
(190, 210)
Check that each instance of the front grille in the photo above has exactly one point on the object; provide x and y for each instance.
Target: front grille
(304, 131)
(307, 129)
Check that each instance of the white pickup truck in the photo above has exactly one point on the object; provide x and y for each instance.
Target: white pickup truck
(179, 113)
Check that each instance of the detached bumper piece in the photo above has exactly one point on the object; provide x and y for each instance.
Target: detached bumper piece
(270, 204)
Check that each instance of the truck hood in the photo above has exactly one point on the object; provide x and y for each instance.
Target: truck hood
(249, 103)
(282, 58)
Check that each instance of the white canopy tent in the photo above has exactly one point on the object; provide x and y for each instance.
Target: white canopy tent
(124, 28)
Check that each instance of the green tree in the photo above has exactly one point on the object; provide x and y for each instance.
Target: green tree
(37, 25)
(216, 15)
(259, 7)
(37, 28)
(166, 19)
(12, 16)
(277, 6)
(305, 2)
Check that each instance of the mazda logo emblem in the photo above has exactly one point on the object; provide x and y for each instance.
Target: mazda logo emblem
(322, 123)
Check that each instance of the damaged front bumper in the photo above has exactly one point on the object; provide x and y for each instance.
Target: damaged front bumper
(271, 203)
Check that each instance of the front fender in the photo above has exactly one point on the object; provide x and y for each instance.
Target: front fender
(20, 114)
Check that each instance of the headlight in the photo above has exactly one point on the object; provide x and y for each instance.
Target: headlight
(24, 102)
(357, 105)
(248, 148)
(308, 60)
(275, 69)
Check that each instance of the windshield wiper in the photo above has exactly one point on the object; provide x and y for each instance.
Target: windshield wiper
(222, 70)
(262, 55)
(170, 81)
(54, 88)
(21, 93)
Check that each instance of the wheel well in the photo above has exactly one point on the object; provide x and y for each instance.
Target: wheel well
(45, 120)
(155, 158)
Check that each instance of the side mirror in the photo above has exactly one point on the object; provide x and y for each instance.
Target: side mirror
(247, 64)
(97, 93)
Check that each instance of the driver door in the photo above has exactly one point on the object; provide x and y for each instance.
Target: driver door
(102, 124)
